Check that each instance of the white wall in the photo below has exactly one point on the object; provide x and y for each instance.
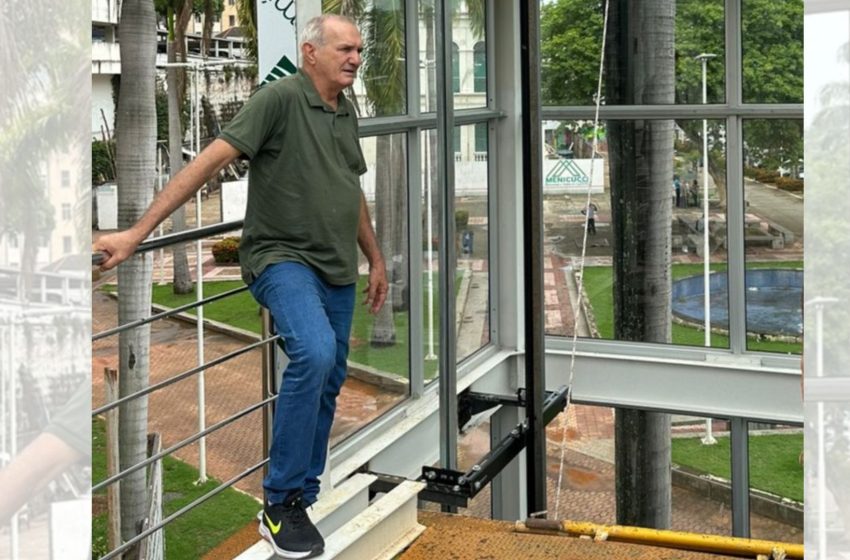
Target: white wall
(101, 98)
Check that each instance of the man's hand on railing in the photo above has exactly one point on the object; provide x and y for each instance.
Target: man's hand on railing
(116, 248)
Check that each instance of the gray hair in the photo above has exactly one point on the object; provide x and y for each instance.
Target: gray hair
(314, 29)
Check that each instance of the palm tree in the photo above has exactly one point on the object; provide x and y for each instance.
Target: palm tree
(134, 159)
(641, 71)
(39, 100)
(177, 13)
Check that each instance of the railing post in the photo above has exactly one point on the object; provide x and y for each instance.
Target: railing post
(113, 493)
(269, 388)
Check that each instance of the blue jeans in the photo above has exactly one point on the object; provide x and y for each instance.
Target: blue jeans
(314, 320)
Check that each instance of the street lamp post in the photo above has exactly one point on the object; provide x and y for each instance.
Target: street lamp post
(706, 256)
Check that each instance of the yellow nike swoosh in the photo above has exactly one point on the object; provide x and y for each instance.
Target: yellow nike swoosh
(274, 528)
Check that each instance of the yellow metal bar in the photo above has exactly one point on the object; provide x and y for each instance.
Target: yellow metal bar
(673, 539)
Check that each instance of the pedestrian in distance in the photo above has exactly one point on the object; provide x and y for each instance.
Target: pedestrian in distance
(677, 187)
(305, 217)
(590, 212)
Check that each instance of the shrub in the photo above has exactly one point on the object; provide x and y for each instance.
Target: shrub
(766, 176)
(461, 218)
(102, 165)
(226, 251)
(790, 184)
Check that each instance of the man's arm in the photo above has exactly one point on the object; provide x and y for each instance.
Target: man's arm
(39, 463)
(120, 246)
(376, 289)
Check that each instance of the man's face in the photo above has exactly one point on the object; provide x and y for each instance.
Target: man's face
(337, 60)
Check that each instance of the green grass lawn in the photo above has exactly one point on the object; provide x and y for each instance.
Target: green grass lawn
(242, 311)
(774, 463)
(598, 282)
(193, 534)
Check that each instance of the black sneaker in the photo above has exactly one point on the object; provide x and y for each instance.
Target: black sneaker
(289, 530)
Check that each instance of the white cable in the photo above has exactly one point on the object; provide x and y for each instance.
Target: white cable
(580, 281)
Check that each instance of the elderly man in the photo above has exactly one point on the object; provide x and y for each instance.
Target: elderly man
(305, 217)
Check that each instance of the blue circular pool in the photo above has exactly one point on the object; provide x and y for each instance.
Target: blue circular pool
(773, 301)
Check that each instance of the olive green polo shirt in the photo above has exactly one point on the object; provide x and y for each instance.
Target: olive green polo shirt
(303, 182)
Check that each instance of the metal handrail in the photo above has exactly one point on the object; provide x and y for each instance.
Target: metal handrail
(263, 404)
(165, 314)
(181, 376)
(185, 509)
(179, 445)
(161, 242)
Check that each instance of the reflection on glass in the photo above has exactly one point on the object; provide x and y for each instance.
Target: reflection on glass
(472, 272)
(776, 478)
(469, 36)
(571, 35)
(379, 354)
(773, 234)
(772, 45)
(430, 236)
(380, 87)
(469, 55)
(641, 205)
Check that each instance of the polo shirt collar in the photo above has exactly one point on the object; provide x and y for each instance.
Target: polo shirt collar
(316, 100)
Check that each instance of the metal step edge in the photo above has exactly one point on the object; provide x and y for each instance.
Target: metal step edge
(333, 510)
(385, 528)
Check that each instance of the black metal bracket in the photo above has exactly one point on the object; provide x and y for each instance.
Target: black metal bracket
(452, 487)
(470, 403)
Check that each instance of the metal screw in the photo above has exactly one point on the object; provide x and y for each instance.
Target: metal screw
(477, 486)
(461, 480)
(455, 488)
(476, 468)
(430, 475)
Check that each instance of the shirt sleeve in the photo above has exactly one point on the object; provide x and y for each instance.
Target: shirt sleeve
(72, 423)
(254, 123)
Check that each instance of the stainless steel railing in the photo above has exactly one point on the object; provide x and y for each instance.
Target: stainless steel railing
(268, 384)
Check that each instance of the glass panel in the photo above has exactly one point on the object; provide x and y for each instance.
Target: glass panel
(699, 449)
(776, 482)
(455, 68)
(427, 57)
(773, 235)
(468, 32)
(381, 86)
(479, 62)
(430, 256)
(472, 244)
(641, 204)
(772, 47)
(379, 354)
(481, 141)
(584, 437)
(671, 35)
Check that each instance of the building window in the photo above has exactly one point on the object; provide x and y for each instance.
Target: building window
(197, 18)
(66, 244)
(479, 64)
(455, 68)
(231, 2)
(66, 178)
(231, 21)
(13, 241)
(66, 212)
(481, 138)
(456, 142)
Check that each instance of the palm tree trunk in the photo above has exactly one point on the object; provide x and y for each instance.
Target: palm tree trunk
(176, 80)
(206, 36)
(641, 71)
(135, 155)
(383, 329)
